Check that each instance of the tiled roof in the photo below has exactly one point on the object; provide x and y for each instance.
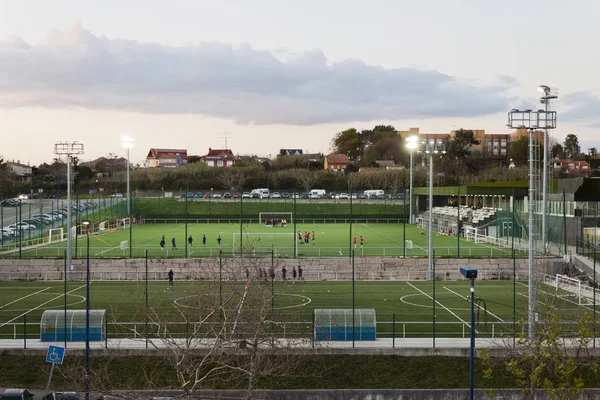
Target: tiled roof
(337, 158)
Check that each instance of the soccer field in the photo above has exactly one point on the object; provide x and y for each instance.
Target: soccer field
(331, 240)
(410, 304)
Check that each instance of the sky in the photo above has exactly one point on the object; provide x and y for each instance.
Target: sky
(263, 75)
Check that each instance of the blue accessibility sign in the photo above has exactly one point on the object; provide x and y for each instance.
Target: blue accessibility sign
(55, 355)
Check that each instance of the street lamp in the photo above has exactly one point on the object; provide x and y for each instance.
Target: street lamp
(411, 144)
(471, 273)
(86, 224)
(269, 176)
(127, 143)
(68, 149)
(432, 147)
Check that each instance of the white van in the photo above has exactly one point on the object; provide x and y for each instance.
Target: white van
(317, 193)
(263, 193)
(373, 194)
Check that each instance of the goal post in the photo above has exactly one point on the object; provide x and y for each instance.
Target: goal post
(263, 216)
(567, 287)
(56, 235)
(264, 241)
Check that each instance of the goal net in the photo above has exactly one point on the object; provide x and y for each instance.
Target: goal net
(282, 242)
(278, 217)
(567, 287)
(123, 223)
(56, 235)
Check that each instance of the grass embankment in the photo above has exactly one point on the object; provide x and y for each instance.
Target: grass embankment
(230, 208)
(309, 372)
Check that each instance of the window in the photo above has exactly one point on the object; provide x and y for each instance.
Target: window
(220, 163)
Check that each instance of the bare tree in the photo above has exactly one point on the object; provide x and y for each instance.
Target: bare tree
(232, 177)
(306, 178)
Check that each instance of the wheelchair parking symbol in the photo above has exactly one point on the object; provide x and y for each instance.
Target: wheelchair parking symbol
(55, 354)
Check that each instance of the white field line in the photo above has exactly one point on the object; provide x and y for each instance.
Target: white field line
(107, 250)
(24, 297)
(476, 305)
(443, 306)
(43, 304)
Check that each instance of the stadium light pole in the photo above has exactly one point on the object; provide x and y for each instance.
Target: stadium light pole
(549, 94)
(471, 273)
(86, 223)
(68, 149)
(432, 147)
(532, 121)
(411, 144)
(127, 143)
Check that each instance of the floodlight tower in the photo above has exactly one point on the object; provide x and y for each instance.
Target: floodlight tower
(532, 121)
(411, 144)
(127, 143)
(432, 147)
(68, 149)
(549, 94)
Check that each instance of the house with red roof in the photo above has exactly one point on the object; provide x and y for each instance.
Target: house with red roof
(218, 158)
(335, 162)
(165, 158)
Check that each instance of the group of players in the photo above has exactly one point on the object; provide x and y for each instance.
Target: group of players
(190, 241)
(306, 237)
(274, 222)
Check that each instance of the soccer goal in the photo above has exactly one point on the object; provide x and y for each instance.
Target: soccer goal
(567, 287)
(103, 226)
(268, 215)
(264, 241)
(123, 223)
(56, 235)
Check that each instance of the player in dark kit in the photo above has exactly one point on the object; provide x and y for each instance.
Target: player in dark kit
(203, 240)
(283, 273)
(162, 244)
(190, 240)
(173, 245)
(171, 275)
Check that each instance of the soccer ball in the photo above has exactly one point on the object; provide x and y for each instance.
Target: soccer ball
(328, 290)
(384, 299)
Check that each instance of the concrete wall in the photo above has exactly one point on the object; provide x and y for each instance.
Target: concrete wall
(372, 268)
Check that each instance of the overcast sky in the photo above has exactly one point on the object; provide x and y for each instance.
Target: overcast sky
(271, 74)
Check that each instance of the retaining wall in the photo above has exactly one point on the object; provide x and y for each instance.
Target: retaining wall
(318, 269)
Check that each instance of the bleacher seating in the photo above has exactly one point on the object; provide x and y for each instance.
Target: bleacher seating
(474, 216)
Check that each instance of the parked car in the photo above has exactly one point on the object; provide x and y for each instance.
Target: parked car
(61, 396)
(227, 195)
(199, 195)
(246, 195)
(10, 203)
(276, 195)
(285, 195)
(216, 195)
(23, 196)
(343, 196)
(256, 196)
(16, 394)
(236, 196)
(305, 196)
(117, 195)
(362, 197)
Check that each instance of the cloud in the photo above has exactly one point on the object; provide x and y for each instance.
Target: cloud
(76, 68)
(582, 107)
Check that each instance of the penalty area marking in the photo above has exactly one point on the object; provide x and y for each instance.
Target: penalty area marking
(477, 305)
(57, 307)
(24, 297)
(107, 250)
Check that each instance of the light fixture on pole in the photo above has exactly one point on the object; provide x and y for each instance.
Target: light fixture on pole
(471, 273)
(127, 143)
(532, 121)
(432, 147)
(549, 94)
(68, 149)
(86, 224)
(411, 144)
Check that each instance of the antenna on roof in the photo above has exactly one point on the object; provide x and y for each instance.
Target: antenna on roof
(225, 135)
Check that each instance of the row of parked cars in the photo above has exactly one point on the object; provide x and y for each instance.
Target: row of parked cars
(285, 195)
(40, 221)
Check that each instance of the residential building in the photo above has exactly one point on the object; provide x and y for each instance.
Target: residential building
(218, 158)
(165, 158)
(22, 172)
(290, 152)
(579, 168)
(492, 145)
(336, 162)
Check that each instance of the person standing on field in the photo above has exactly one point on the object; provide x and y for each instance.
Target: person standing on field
(294, 275)
(190, 240)
(362, 241)
(300, 277)
(219, 241)
(173, 245)
(162, 244)
(354, 241)
(171, 276)
(313, 237)
(203, 240)
(283, 273)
